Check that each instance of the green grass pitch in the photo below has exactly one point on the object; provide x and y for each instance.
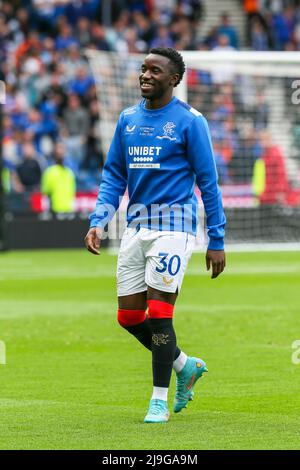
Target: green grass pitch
(74, 379)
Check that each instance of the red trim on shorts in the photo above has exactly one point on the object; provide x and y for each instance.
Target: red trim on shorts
(159, 309)
(131, 317)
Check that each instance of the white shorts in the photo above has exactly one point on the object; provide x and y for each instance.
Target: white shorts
(152, 258)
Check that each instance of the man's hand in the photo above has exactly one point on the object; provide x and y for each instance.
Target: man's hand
(216, 260)
(93, 239)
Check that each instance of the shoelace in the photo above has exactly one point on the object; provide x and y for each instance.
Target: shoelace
(157, 409)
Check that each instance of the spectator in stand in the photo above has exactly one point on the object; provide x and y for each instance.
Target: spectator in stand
(76, 126)
(40, 126)
(220, 111)
(59, 184)
(134, 46)
(244, 157)
(223, 73)
(252, 9)
(31, 44)
(54, 96)
(191, 9)
(221, 164)
(44, 14)
(259, 37)
(260, 111)
(12, 144)
(223, 43)
(99, 38)
(116, 34)
(135, 5)
(48, 51)
(7, 130)
(282, 26)
(183, 33)
(65, 38)
(81, 82)
(24, 21)
(164, 10)
(297, 32)
(72, 62)
(163, 38)
(27, 176)
(83, 32)
(144, 27)
(94, 160)
(225, 28)
(81, 9)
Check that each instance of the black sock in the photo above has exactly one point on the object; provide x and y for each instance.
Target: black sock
(163, 351)
(143, 334)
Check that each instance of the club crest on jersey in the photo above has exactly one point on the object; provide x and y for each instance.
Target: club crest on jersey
(168, 131)
(129, 130)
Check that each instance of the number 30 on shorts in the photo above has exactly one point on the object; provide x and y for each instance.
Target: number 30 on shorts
(172, 266)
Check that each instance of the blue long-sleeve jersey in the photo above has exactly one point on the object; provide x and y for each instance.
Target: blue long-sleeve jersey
(160, 154)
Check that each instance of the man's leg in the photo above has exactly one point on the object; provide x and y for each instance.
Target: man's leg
(131, 278)
(132, 307)
(167, 257)
(160, 314)
(161, 306)
(188, 369)
(132, 317)
(152, 331)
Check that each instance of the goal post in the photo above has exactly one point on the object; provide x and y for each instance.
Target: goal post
(252, 103)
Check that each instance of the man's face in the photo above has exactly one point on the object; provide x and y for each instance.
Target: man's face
(28, 151)
(157, 77)
(59, 151)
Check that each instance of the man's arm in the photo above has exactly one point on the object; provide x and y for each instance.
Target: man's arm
(201, 157)
(112, 188)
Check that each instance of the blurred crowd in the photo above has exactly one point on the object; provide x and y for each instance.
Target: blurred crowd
(273, 24)
(51, 99)
(236, 121)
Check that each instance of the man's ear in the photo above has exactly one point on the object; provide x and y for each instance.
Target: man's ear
(174, 79)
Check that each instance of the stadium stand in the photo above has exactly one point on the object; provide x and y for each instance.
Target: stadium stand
(51, 94)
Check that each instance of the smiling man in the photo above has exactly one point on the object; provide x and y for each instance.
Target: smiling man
(160, 148)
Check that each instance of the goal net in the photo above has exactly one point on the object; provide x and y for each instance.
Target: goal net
(252, 104)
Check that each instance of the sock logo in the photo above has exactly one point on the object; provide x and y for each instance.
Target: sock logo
(160, 338)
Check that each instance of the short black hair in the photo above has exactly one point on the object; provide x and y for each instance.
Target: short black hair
(174, 56)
